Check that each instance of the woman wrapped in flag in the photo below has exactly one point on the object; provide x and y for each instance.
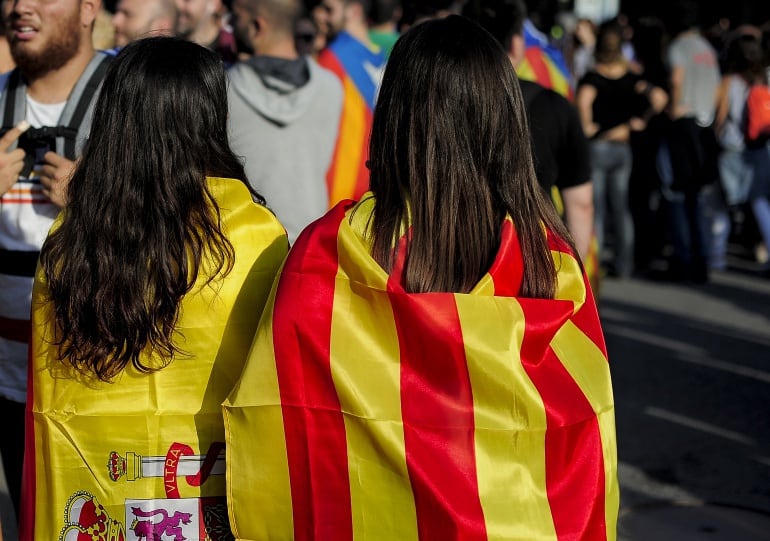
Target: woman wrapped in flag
(430, 363)
(146, 300)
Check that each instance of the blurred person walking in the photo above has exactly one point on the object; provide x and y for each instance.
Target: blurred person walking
(147, 295)
(358, 63)
(687, 160)
(431, 364)
(284, 113)
(613, 101)
(743, 66)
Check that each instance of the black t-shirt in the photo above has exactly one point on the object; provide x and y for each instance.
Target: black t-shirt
(616, 99)
(559, 146)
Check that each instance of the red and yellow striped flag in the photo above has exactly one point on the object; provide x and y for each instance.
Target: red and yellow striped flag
(365, 412)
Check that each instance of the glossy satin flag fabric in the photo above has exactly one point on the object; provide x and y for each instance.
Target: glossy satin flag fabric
(365, 412)
(143, 457)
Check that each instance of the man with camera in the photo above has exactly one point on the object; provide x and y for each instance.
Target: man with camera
(45, 107)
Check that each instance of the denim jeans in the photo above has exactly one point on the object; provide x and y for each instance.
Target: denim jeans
(611, 174)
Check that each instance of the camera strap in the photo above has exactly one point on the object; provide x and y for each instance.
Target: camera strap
(78, 104)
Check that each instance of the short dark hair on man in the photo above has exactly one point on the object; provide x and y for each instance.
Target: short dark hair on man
(501, 18)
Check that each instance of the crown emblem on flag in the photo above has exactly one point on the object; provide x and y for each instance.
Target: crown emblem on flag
(116, 466)
(85, 519)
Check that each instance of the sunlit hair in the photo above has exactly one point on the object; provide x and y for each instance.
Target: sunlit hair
(450, 154)
(141, 223)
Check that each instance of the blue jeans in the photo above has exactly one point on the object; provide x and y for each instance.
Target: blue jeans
(611, 174)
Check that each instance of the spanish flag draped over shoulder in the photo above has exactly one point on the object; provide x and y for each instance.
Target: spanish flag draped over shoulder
(143, 457)
(365, 412)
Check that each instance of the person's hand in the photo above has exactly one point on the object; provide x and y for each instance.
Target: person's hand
(11, 162)
(637, 124)
(55, 177)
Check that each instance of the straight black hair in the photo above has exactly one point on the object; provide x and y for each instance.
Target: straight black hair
(450, 156)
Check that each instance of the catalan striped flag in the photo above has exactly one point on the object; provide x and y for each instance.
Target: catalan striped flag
(360, 71)
(365, 412)
(543, 63)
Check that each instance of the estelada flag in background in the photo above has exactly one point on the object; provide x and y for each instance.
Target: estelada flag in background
(143, 457)
(359, 69)
(543, 63)
(365, 412)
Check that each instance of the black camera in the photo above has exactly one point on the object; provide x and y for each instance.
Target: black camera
(36, 142)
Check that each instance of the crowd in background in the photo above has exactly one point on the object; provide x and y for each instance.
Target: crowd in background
(641, 226)
(638, 132)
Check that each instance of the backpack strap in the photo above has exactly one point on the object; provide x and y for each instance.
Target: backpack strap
(84, 102)
(13, 101)
(79, 102)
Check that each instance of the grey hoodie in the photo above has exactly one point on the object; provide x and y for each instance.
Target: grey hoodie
(286, 135)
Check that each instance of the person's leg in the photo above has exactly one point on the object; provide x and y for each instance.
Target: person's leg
(599, 181)
(618, 191)
(12, 447)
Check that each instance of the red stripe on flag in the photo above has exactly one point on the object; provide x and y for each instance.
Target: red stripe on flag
(437, 411)
(507, 271)
(586, 318)
(536, 61)
(316, 443)
(574, 462)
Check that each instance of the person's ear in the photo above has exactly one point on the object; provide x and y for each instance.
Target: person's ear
(89, 9)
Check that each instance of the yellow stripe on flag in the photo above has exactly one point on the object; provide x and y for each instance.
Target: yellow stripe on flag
(267, 488)
(351, 143)
(369, 395)
(510, 421)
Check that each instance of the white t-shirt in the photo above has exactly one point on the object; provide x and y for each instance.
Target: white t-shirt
(26, 216)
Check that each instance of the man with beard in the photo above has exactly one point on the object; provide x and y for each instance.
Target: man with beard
(358, 63)
(136, 19)
(200, 21)
(45, 123)
(284, 111)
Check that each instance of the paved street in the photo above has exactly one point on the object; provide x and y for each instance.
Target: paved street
(691, 369)
(691, 372)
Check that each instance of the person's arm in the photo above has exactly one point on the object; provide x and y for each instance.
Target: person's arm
(723, 105)
(579, 214)
(584, 101)
(675, 110)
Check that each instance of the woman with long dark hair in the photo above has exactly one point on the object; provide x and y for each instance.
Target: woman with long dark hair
(446, 377)
(148, 292)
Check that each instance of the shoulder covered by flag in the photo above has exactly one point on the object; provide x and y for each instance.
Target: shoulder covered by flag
(368, 412)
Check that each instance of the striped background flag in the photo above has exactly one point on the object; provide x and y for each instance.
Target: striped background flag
(543, 63)
(359, 70)
(365, 412)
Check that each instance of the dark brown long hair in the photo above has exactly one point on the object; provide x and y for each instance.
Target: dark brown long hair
(141, 223)
(450, 155)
